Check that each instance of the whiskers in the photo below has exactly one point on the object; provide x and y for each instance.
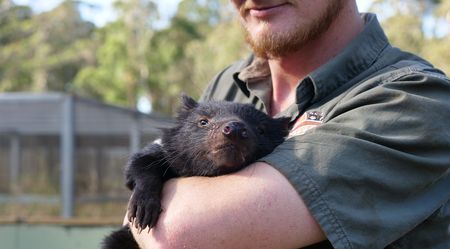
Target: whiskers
(181, 157)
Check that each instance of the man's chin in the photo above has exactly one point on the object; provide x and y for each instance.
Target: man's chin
(272, 47)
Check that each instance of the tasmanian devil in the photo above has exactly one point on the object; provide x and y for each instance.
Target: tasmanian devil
(208, 139)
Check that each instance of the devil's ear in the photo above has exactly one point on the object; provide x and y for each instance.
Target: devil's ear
(187, 103)
(284, 122)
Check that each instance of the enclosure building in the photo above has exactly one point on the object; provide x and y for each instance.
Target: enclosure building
(64, 150)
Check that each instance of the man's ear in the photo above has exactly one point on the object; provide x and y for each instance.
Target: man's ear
(187, 103)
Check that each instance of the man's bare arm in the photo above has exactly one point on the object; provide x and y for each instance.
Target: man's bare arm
(254, 208)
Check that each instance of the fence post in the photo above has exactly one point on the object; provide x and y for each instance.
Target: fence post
(67, 157)
(135, 134)
(14, 163)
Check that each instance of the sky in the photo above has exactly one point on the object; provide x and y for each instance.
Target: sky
(101, 12)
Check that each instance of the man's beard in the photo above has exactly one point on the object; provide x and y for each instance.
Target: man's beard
(277, 45)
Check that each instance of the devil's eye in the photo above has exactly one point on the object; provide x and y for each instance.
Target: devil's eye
(203, 122)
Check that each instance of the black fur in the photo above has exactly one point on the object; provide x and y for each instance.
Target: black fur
(209, 139)
(120, 239)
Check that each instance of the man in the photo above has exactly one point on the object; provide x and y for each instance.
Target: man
(367, 161)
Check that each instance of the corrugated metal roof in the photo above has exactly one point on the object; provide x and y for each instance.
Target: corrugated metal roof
(42, 113)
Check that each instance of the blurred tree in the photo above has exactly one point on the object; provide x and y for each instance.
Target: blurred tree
(15, 25)
(224, 44)
(121, 69)
(59, 38)
(38, 53)
(102, 78)
(437, 50)
(169, 68)
(134, 58)
(416, 26)
(202, 39)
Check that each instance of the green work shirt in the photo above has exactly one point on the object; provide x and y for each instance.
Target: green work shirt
(369, 150)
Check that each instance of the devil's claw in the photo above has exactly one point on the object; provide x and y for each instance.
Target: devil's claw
(144, 209)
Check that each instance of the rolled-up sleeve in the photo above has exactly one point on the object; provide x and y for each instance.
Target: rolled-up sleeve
(379, 164)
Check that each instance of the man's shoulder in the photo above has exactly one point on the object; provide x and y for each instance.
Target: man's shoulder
(399, 64)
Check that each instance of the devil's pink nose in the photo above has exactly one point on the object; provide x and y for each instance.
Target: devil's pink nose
(235, 130)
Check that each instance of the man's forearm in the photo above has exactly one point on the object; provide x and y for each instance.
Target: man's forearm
(253, 208)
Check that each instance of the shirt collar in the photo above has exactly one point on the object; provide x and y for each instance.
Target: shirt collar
(357, 57)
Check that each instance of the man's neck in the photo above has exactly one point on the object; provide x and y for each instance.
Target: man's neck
(289, 70)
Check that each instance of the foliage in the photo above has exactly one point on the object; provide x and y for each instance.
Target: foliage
(134, 57)
(37, 53)
(182, 53)
(224, 44)
(120, 67)
(407, 24)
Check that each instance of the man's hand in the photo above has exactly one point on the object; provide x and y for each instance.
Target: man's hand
(254, 208)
